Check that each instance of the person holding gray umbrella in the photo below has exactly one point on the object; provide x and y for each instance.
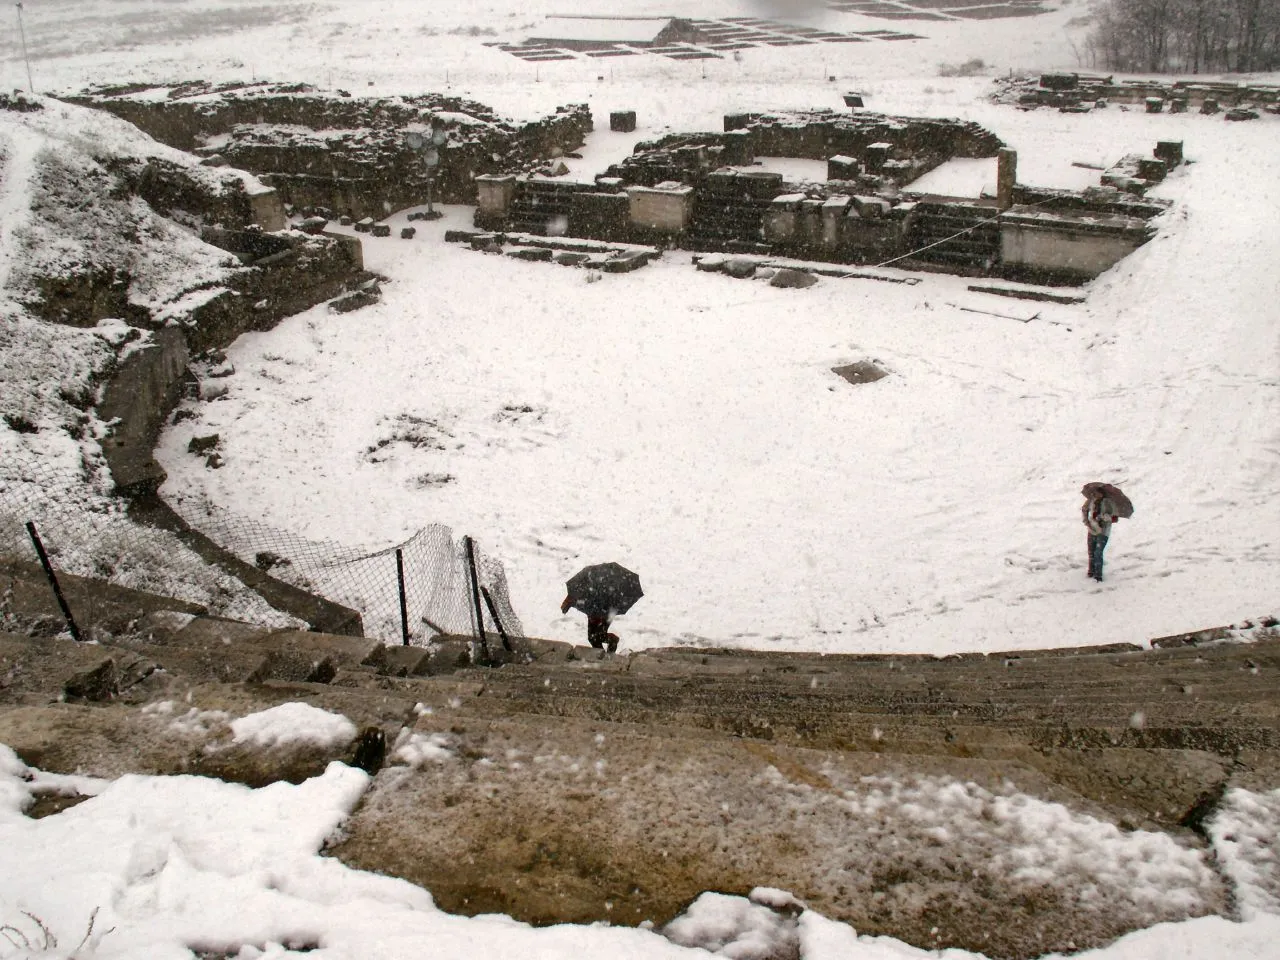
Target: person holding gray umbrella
(1104, 504)
(602, 591)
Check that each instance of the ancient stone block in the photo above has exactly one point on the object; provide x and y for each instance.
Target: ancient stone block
(622, 121)
(626, 261)
(1150, 168)
(364, 226)
(666, 210)
(877, 155)
(494, 193)
(381, 230)
(870, 207)
(1154, 104)
(841, 167)
(1059, 81)
(461, 236)
(792, 279)
(313, 225)
(737, 150)
(408, 233)
(1170, 151)
(536, 254)
(834, 210)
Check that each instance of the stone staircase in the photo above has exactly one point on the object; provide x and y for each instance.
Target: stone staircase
(542, 207)
(579, 788)
(968, 243)
(729, 211)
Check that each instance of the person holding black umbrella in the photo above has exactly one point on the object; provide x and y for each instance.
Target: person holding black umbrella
(598, 621)
(602, 591)
(1104, 504)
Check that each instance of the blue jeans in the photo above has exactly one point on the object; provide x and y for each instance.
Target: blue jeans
(1097, 543)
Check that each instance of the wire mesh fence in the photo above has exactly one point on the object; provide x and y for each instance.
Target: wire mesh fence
(412, 591)
(89, 534)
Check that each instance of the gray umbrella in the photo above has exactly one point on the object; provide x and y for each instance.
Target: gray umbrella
(1124, 508)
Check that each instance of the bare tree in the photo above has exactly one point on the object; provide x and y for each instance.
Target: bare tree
(1187, 35)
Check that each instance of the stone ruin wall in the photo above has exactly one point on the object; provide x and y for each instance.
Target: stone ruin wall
(1079, 91)
(346, 154)
(699, 192)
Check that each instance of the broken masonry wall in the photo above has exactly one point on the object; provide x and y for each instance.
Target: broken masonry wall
(305, 271)
(169, 187)
(345, 154)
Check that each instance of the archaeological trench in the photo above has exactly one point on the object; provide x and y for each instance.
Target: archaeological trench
(580, 789)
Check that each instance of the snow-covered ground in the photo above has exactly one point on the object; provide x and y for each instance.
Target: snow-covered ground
(164, 867)
(689, 426)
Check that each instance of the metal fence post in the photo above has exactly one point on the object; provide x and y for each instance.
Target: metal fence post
(404, 605)
(475, 594)
(53, 580)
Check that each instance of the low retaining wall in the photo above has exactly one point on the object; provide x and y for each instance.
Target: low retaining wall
(1052, 243)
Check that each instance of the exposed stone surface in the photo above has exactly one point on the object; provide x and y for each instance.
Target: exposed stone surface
(573, 787)
(792, 279)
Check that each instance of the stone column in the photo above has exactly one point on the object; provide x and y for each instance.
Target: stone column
(1006, 177)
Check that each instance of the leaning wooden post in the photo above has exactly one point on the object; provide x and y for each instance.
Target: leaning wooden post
(493, 611)
(475, 595)
(53, 580)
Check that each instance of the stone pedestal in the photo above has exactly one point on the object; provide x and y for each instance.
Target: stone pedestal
(834, 211)
(663, 210)
(738, 151)
(1170, 151)
(877, 155)
(494, 193)
(841, 167)
(781, 219)
(1006, 177)
(622, 121)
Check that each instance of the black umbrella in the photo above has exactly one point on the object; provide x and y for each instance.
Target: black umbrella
(604, 587)
(1124, 508)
